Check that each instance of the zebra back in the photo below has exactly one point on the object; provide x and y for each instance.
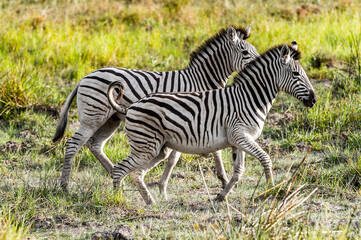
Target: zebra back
(194, 122)
(209, 68)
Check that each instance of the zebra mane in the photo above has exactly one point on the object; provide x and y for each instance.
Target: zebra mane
(213, 40)
(295, 54)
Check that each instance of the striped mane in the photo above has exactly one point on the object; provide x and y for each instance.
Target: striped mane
(295, 54)
(214, 40)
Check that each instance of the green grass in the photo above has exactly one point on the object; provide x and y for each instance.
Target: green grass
(46, 47)
(10, 231)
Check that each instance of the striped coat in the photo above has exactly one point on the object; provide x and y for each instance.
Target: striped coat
(203, 122)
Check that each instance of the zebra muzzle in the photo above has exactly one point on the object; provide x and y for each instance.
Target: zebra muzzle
(312, 99)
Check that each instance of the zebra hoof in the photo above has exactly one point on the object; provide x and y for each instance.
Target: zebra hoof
(219, 198)
(164, 197)
(116, 186)
(64, 187)
(150, 201)
(224, 184)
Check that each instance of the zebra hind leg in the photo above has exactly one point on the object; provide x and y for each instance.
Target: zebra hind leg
(73, 145)
(122, 169)
(238, 161)
(97, 141)
(138, 168)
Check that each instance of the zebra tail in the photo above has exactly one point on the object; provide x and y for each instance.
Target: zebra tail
(119, 88)
(63, 120)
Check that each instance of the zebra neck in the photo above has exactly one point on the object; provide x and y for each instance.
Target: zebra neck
(206, 76)
(258, 90)
(210, 69)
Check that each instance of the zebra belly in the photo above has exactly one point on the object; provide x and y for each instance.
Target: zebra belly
(200, 148)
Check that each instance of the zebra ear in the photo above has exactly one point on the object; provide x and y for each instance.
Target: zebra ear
(244, 34)
(294, 45)
(232, 34)
(285, 54)
(248, 32)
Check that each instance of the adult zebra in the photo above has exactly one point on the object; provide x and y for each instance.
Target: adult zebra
(203, 122)
(209, 68)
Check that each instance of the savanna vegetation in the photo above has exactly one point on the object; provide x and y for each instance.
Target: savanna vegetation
(47, 46)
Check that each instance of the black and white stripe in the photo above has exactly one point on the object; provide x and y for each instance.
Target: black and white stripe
(210, 66)
(203, 122)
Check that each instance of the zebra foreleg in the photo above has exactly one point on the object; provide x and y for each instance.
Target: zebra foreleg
(238, 162)
(138, 179)
(163, 182)
(221, 173)
(172, 161)
(97, 141)
(252, 148)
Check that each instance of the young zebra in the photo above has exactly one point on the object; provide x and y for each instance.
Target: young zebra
(203, 122)
(209, 68)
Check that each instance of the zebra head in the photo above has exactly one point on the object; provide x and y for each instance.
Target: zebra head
(293, 79)
(242, 52)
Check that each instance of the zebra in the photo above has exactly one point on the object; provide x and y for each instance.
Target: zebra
(203, 122)
(209, 68)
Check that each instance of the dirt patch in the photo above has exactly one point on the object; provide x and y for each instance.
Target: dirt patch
(315, 206)
(307, 9)
(280, 118)
(119, 233)
(65, 219)
(25, 134)
(34, 166)
(12, 146)
(152, 184)
(200, 206)
(179, 175)
(41, 108)
(43, 222)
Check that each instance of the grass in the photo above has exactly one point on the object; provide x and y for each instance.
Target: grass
(46, 47)
(10, 230)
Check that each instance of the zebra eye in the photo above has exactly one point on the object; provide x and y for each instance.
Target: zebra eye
(296, 74)
(244, 52)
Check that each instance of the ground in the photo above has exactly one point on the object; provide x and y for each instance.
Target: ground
(46, 47)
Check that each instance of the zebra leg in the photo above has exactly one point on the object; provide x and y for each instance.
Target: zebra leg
(122, 169)
(97, 141)
(172, 161)
(238, 162)
(71, 149)
(138, 179)
(138, 168)
(221, 173)
(138, 175)
(252, 148)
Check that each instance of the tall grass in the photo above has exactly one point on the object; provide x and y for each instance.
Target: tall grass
(54, 45)
(277, 213)
(47, 46)
(9, 230)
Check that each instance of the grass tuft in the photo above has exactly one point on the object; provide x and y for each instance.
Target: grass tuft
(10, 230)
(13, 94)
